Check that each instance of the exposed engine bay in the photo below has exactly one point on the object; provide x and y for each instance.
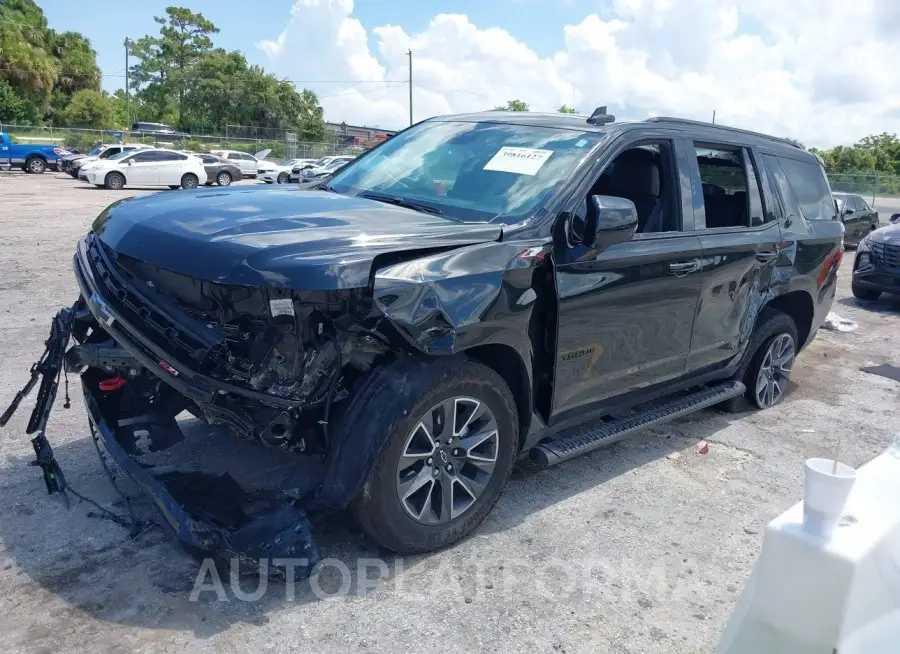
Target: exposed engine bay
(298, 353)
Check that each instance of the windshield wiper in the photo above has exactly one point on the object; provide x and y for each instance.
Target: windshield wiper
(403, 202)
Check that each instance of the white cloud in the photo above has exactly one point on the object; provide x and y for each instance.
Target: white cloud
(817, 70)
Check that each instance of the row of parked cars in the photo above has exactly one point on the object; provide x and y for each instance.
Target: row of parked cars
(115, 165)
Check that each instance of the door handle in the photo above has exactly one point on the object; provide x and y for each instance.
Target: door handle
(765, 256)
(684, 267)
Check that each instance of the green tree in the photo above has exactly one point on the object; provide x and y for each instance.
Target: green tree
(15, 109)
(25, 61)
(311, 118)
(513, 105)
(566, 109)
(794, 141)
(77, 67)
(89, 108)
(164, 69)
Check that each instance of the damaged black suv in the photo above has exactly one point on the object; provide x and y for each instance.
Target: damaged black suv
(464, 293)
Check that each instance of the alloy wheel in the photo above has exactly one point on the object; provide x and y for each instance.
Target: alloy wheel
(775, 370)
(224, 179)
(447, 461)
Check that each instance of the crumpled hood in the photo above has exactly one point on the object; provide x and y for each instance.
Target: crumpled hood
(274, 236)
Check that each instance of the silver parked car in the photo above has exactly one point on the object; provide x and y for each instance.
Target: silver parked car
(248, 163)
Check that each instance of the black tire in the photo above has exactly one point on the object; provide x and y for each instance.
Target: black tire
(378, 506)
(283, 178)
(864, 293)
(224, 178)
(770, 324)
(35, 166)
(189, 181)
(114, 181)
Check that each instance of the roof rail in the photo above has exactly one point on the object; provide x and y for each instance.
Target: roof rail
(703, 123)
(600, 117)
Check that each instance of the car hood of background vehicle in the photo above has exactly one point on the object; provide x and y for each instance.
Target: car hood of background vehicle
(889, 234)
(277, 237)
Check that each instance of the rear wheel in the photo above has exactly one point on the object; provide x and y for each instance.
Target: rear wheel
(35, 165)
(223, 179)
(189, 181)
(283, 178)
(114, 181)
(767, 371)
(864, 293)
(444, 464)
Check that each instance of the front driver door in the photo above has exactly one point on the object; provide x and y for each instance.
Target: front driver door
(625, 315)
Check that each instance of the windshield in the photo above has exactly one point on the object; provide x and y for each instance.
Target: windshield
(321, 161)
(95, 150)
(120, 155)
(474, 172)
(109, 153)
(287, 162)
(334, 164)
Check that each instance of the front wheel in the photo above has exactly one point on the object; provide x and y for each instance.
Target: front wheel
(189, 181)
(864, 293)
(283, 178)
(223, 179)
(444, 464)
(767, 371)
(114, 181)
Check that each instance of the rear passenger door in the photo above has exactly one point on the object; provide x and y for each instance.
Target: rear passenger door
(170, 168)
(740, 242)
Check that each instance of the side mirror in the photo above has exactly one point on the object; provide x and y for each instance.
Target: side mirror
(848, 211)
(611, 220)
(895, 217)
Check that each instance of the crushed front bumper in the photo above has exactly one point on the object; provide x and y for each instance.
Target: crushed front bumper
(210, 514)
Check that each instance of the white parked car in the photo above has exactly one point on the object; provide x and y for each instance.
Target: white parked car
(248, 163)
(279, 173)
(319, 166)
(157, 167)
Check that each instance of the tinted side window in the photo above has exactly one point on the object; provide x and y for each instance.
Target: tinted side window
(247, 157)
(144, 156)
(810, 188)
(730, 189)
(789, 203)
(169, 156)
(234, 156)
(209, 160)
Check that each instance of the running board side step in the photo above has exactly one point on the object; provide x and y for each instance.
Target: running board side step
(582, 440)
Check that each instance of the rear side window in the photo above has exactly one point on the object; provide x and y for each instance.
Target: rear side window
(234, 156)
(810, 188)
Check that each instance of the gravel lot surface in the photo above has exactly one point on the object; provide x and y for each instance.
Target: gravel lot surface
(643, 547)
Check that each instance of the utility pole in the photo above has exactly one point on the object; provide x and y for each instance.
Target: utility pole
(409, 54)
(127, 102)
(714, 116)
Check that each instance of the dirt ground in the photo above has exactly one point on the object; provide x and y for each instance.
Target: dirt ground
(643, 547)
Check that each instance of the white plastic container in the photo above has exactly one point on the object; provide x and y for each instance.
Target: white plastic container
(825, 491)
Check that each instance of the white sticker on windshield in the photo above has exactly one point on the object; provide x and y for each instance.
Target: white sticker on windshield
(521, 161)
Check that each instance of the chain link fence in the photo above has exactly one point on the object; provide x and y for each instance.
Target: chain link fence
(282, 143)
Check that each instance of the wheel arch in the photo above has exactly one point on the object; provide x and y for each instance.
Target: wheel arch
(506, 361)
(800, 307)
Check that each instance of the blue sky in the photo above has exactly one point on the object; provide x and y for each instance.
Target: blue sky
(243, 24)
(760, 64)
